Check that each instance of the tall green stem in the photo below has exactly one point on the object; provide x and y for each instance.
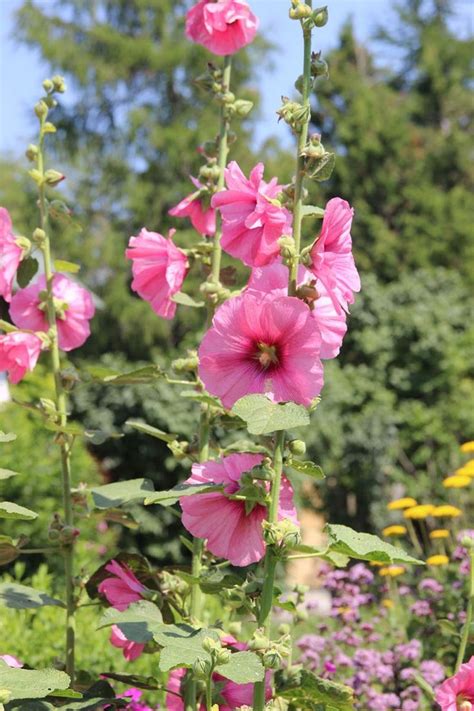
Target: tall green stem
(299, 170)
(266, 602)
(198, 544)
(61, 406)
(469, 614)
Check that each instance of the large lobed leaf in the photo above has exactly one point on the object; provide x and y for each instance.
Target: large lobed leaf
(138, 622)
(263, 416)
(121, 492)
(22, 597)
(306, 690)
(365, 546)
(31, 683)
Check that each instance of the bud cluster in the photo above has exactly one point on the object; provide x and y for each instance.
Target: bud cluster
(283, 535)
(294, 114)
(318, 163)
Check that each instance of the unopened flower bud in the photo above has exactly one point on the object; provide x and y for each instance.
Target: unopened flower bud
(222, 656)
(48, 86)
(186, 365)
(287, 247)
(59, 84)
(211, 645)
(284, 628)
(202, 668)
(319, 68)
(50, 102)
(53, 534)
(227, 98)
(301, 615)
(272, 659)
(320, 16)
(259, 642)
(32, 152)
(39, 236)
(25, 245)
(242, 107)
(300, 10)
(467, 542)
(41, 109)
(53, 177)
(69, 378)
(297, 446)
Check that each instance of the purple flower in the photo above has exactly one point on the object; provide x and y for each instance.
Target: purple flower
(432, 671)
(421, 608)
(409, 651)
(431, 585)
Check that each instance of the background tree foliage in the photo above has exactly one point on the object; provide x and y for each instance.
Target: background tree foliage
(400, 396)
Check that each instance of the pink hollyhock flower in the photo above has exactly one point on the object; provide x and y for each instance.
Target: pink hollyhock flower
(223, 27)
(10, 255)
(19, 352)
(233, 695)
(122, 588)
(74, 309)
(131, 650)
(457, 692)
(159, 269)
(252, 220)
(231, 533)
(261, 344)
(331, 321)
(332, 260)
(202, 218)
(134, 704)
(11, 661)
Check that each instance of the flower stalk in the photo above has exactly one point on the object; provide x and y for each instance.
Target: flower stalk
(64, 441)
(198, 544)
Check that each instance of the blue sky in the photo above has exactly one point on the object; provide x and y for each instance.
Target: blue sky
(21, 69)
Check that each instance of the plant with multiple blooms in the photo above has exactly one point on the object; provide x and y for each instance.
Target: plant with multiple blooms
(257, 369)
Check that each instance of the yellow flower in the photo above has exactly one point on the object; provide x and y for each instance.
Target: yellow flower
(399, 504)
(467, 469)
(392, 571)
(468, 446)
(387, 603)
(446, 511)
(394, 531)
(456, 481)
(439, 533)
(419, 512)
(437, 560)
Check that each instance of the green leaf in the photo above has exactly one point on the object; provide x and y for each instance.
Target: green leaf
(7, 437)
(171, 496)
(448, 628)
(61, 265)
(186, 300)
(26, 271)
(138, 622)
(263, 416)
(201, 397)
(148, 683)
(312, 211)
(337, 559)
(31, 683)
(321, 169)
(146, 374)
(22, 597)
(182, 645)
(365, 546)
(242, 668)
(7, 473)
(246, 445)
(152, 431)
(306, 467)
(110, 496)
(303, 687)
(11, 510)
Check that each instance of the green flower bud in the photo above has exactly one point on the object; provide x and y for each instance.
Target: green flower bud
(59, 84)
(53, 177)
(297, 446)
(222, 656)
(242, 108)
(319, 68)
(32, 152)
(284, 628)
(259, 642)
(50, 102)
(41, 109)
(211, 645)
(39, 236)
(272, 659)
(299, 11)
(320, 16)
(202, 668)
(186, 365)
(48, 86)
(467, 542)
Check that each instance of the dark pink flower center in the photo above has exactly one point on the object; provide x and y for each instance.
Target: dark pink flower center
(267, 355)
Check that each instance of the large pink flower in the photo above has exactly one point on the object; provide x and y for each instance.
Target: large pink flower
(458, 689)
(10, 255)
(203, 218)
(231, 533)
(332, 259)
(262, 344)
(19, 352)
(223, 27)
(234, 695)
(122, 588)
(74, 309)
(159, 269)
(131, 650)
(252, 220)
(331, 321)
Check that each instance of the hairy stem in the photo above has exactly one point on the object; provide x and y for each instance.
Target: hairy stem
(198, 544)
(469, 614)
(61, 406)
(299, 169)
(265, 616)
